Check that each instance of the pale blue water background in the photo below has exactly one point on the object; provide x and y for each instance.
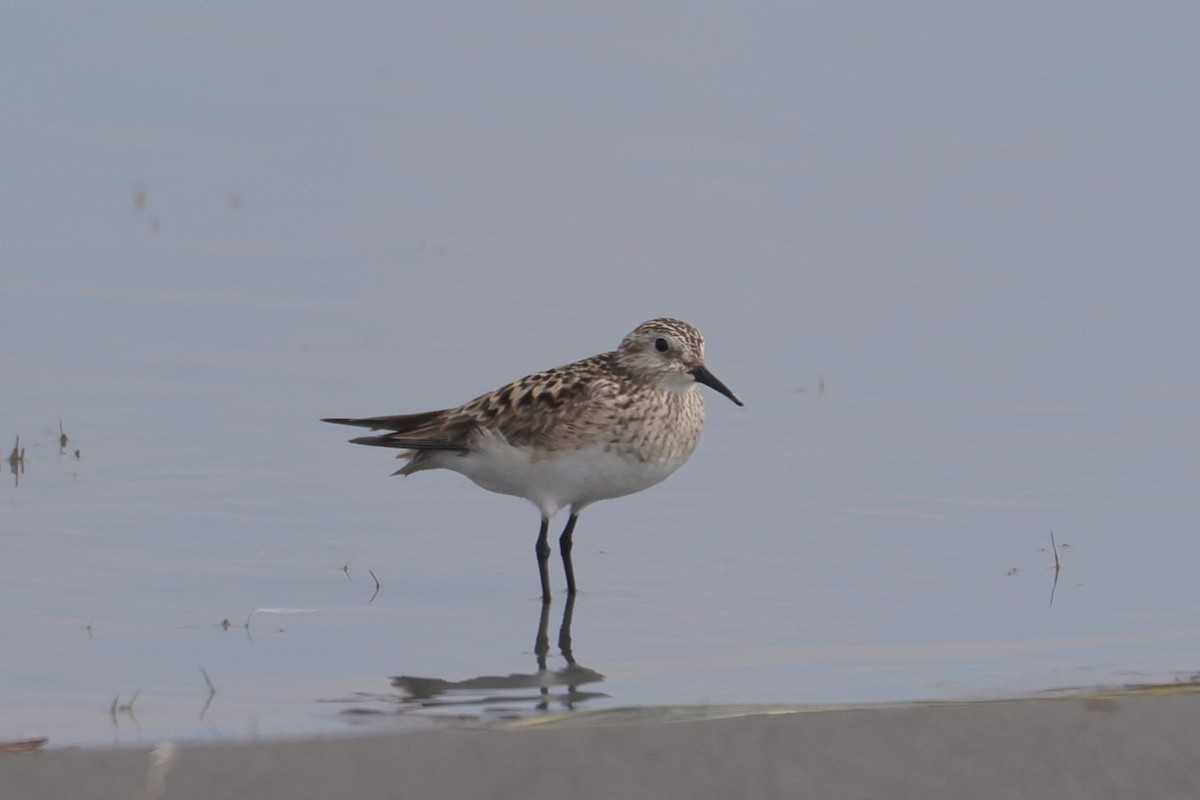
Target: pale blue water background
(220, 223)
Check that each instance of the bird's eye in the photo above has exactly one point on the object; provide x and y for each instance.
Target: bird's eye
(661, 345)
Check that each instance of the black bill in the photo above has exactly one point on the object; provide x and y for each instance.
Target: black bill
(702, 375)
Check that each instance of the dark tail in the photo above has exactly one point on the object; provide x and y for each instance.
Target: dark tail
(398, 423)
(421, 431)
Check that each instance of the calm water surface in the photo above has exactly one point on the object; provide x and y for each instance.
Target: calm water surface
(955, 287)
(821, 547)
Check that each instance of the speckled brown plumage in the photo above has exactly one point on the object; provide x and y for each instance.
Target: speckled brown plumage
(605, 426)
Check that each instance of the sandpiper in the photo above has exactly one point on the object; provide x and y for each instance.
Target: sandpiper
(603, 427)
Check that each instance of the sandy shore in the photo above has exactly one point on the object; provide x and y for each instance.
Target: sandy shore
(1143, 745)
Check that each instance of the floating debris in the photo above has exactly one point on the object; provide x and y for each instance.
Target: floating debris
(24, 745)
(17, 456)
(1057, 567)
(376, 594)
(16, 461)
(212, 692)
(127, 708)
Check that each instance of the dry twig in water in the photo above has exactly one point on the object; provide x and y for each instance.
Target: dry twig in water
(1057, 567)
(376, 594)
(212, 692)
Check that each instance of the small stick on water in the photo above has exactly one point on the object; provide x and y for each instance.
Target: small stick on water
(211, 689)
(117, 708)
(246, 624)
(16, 462)
(1057, 567)
(127, 708)
(376, 594)
(212, 692)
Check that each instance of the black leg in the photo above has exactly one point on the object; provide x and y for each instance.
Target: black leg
(564, 632)
(543, 556)
(564, 547)
(541, 648)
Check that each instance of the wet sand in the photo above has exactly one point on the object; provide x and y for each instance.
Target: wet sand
(1133, 745)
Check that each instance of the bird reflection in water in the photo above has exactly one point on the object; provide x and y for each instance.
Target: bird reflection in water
(505, 696)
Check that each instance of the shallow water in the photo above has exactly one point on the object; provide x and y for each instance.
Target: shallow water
(942, 364)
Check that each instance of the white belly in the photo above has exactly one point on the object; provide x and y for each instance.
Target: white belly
(575, 478)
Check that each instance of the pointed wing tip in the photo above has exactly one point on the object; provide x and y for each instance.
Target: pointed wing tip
(377, 441)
